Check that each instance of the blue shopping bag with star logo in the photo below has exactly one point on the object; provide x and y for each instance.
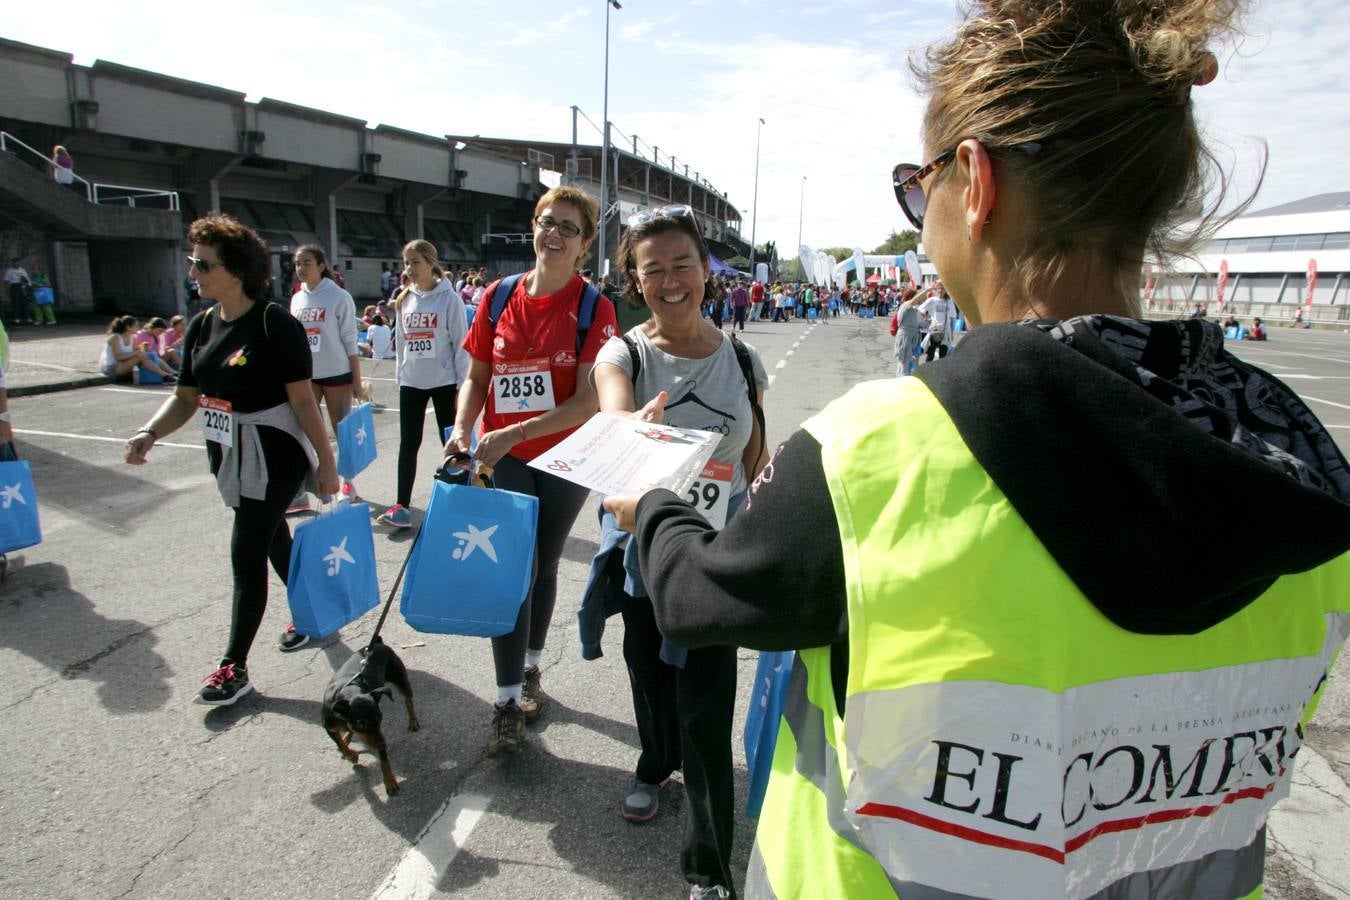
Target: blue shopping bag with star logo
(356, 441)
(332, 580)
(473, 561)
(19, 525)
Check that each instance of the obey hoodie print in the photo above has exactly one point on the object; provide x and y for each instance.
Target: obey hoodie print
(429, 337)
(328, 316)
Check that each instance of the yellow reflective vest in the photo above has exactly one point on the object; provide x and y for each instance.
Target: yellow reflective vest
(1000, 737)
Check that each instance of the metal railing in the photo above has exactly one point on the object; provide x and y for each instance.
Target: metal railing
(512, 238)
(94, 191)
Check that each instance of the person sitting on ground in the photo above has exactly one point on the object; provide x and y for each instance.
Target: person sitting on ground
(379, 342)
(151, 339)
(1257, 332)
(121, 357)
(1231, 322)
(171, 344)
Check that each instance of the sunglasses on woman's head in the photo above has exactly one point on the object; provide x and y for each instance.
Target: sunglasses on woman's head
(547, 223)
(678, 211)
(201, 265)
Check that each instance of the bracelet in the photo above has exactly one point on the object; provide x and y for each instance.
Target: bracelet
(523, 435)
(150, 431)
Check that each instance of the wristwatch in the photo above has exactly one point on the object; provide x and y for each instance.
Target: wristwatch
(5, 416)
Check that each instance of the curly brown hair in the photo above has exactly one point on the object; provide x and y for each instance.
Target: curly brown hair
(1101, 89)
(243, 254)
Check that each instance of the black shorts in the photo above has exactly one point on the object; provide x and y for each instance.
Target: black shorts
(335, 381)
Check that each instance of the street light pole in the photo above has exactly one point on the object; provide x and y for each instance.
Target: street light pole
(754, 204)
(800, 215)
(604, 156)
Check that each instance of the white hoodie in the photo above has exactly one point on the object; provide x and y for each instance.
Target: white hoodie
(429, 334)
(329, 318)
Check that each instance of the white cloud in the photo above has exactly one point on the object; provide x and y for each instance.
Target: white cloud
(830, 79)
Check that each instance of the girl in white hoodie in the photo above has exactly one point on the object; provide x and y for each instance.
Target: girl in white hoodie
(328, 316)
(429, 328)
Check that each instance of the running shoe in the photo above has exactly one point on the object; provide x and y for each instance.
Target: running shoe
(642, 801)
(508, 729)
(398, 515)
(299, 504)
(224, 686)
(531, 694)
(708, 891)
(292, 639)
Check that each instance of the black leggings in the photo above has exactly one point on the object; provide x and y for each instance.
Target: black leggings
(260, 534)
(684, 719)
(412, 413)
(559, 503)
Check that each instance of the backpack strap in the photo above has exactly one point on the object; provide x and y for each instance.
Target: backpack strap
(748, 370)
(633, 356)
(585, 315)
(501, 296)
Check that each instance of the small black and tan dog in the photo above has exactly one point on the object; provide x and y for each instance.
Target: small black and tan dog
(351, 703)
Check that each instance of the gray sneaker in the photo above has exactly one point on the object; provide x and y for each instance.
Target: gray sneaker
(642, 801)
(532, 699)
(508, 729)
(708, 891)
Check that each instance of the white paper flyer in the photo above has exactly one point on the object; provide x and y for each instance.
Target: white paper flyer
(617, 455)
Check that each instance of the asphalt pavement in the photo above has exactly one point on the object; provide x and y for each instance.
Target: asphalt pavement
(117, 785)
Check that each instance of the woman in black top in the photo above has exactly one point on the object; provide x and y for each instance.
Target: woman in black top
(246, 375)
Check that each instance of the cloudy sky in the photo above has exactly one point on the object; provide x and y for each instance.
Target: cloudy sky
(692, 78)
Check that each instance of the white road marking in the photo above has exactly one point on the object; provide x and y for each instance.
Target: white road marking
(24, 362)
(1340, 359)
(98, 437)
(781, 363)
(422, 866)
(789, 353)
(137, 391)
(771, 378)
(1327, 402)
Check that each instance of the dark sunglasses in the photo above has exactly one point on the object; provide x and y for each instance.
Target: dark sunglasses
(678, 211)
(202, 265)
(908, 179)
(566, 229)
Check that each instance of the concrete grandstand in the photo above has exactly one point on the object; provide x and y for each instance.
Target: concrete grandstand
(152, 152)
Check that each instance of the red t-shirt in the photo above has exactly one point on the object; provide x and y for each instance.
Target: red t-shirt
(756, 292)
(535, 328)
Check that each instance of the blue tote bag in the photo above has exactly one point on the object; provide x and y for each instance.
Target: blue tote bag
(472, 564)
(332, 580)
(762, 721)
(356, 441)
(19, 525)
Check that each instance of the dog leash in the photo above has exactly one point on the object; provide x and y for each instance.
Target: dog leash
(482, 479)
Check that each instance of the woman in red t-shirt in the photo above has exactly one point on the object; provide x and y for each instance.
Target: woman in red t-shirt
(533, 389)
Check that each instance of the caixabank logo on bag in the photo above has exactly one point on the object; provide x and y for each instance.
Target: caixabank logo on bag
(337, 555)
(11, 493)
(475, 539)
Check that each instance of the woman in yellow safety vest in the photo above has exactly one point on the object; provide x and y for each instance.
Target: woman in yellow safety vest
(1009, 682)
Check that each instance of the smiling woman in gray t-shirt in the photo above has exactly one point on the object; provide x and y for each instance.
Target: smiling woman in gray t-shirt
(689, 375)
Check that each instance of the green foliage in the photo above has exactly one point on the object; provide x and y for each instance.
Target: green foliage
(839, 253)
(898, 243)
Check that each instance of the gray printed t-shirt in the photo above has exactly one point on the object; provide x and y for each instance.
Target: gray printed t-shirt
(708, 394)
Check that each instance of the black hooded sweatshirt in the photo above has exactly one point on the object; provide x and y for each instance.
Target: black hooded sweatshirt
(1138, 453)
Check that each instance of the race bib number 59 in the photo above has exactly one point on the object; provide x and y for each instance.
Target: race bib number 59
(710, 493)
(217, 420)
(525, 386)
